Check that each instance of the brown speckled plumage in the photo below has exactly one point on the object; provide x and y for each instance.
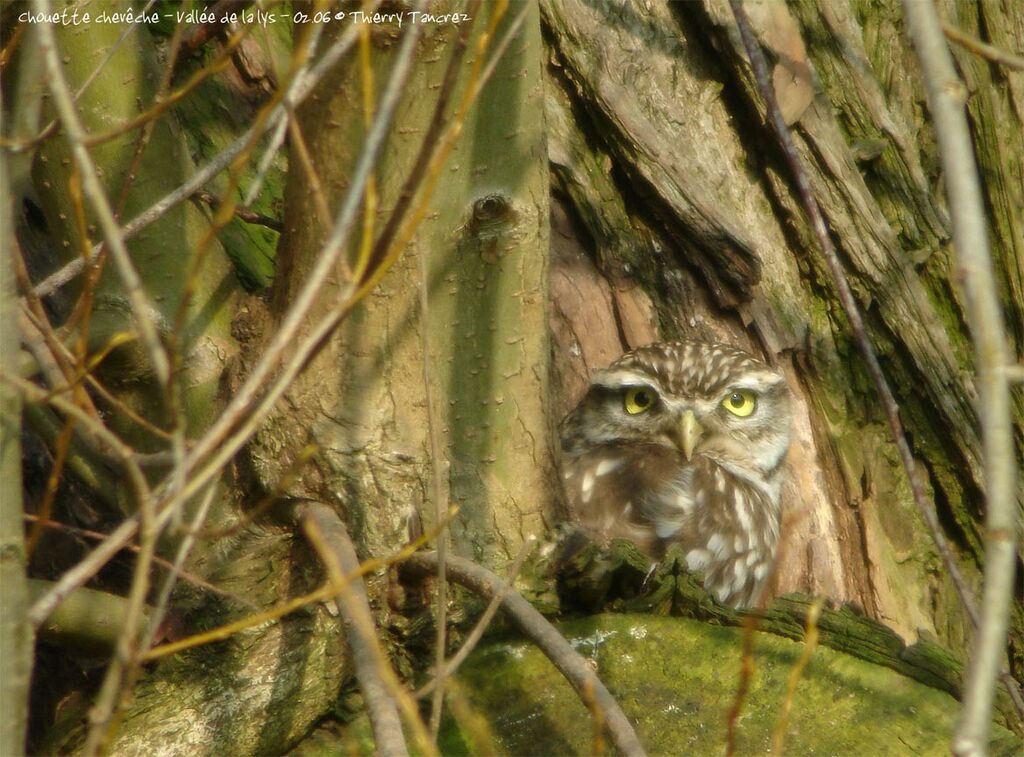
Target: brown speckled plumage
(691, 466)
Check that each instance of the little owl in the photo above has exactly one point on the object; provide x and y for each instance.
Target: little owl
(683, 443)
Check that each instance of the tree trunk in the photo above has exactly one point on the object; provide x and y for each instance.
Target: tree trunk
(613, 185)
(363, 400)
(688, 208)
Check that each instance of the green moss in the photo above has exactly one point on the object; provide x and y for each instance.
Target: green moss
(676, 679)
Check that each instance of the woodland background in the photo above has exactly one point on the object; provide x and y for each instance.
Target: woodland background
(364, 269)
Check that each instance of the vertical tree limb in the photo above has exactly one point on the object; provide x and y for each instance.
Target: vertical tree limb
(946, 99)
(15, 635)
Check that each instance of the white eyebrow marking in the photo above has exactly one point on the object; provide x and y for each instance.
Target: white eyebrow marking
(615, 378)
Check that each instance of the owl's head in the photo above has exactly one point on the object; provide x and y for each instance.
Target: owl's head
(698, 398)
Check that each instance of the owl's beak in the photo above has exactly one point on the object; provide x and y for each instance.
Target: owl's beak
(688, 433)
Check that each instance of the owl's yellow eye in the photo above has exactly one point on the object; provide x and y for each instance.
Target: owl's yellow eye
(740, 402)
(638, 399)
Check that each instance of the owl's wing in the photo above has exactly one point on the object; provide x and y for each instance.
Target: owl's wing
(609, 491)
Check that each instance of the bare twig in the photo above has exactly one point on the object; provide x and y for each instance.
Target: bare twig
(192, 578)
(946, 97)
(298, 90)
(243, 213)
(543, 634)
(810, 643)
(732, 716)
(985, 50)
(327, 591)
(481, 625)
(849, 305)
(377, 680)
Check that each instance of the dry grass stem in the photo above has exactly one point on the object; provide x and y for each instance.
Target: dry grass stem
(810, 644)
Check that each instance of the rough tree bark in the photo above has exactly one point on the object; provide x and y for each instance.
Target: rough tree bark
(633, 132)
(664, 169)
(362, 401)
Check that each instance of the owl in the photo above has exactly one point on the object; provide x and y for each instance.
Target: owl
(683, 443)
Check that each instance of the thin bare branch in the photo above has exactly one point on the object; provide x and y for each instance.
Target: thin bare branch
(946, 99)
(191, 578)
(439, 681)
(377, 680)
(547, 638)
(326, 591)
(243, 213)
(985, 50)
(849, 304)
(810, 644)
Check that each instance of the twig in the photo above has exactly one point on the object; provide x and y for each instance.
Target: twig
(481, 625)
(810, 643)
(985, 50)
(243, 213)
(327, 591)
(732, 717)
(471, 722)
(159, 608)
(377, 679)
(946, 96)
(536, 627)
(849, 305)
(299, 89)
(192, 578)
(597, 745)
